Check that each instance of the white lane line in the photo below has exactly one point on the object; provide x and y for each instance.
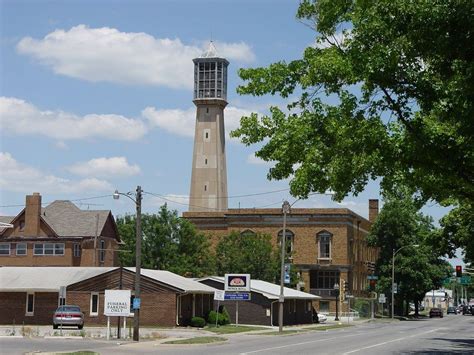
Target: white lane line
(296, 344)
(392, 341)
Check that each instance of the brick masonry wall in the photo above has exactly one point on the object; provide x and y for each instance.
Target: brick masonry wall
(13, 310)
(156, 309)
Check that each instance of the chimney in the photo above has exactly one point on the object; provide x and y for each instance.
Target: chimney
(373, 210)
(32, 214)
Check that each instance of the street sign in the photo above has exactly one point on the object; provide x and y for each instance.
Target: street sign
(382, 298)
(117, 303)
(136, 303)
(287, 273)
(237, 282)
(238, 296)
(395, 288)
(372, 277)
(465, 280)
(219, 295)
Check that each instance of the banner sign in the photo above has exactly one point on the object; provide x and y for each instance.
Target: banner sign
(237, 282)
(238, 296)
(117, 303)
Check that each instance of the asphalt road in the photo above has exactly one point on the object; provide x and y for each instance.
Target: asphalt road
(450, 335)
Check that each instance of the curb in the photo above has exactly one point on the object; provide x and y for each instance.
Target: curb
(11, 336)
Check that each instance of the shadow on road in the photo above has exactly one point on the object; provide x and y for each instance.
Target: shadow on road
(459, 346)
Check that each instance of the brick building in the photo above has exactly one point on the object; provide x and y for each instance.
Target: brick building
(30, 295)
(59, 234)
(327, 246)
(263, 307)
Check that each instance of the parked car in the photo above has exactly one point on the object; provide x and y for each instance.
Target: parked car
(451, 310)
(322, 318)
(466, 309)
(68, 315)
(436, 312)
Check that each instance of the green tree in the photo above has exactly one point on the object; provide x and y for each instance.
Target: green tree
(387, 91)
(248, 253)
(398, 227)
(169, 243)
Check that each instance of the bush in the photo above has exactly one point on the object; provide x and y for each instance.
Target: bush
(222, 316)
(198, 322)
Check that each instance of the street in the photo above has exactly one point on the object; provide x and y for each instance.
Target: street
(451, 334)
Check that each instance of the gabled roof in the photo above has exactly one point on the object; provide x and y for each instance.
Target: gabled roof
(268, 289)
(44, 279)
(67, 220)
(175, 280)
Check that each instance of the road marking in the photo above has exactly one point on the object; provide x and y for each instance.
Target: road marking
(296, 344)
(391, 341)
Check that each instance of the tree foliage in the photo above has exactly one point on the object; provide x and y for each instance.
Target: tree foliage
(169, 243)
(387, 91)
(249, 253)
(399, 227)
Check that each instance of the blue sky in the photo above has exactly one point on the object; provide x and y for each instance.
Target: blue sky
(97, 95)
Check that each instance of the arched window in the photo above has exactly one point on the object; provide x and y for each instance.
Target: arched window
(247, 233)
(324, 240)
(288, 240)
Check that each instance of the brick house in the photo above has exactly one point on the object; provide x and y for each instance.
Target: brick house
(325, 245)
(59, 234)
(31, 294)
(263, 307)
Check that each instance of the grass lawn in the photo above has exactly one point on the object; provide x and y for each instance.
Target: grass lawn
(197, 340)
(328, 327)
(229, 329)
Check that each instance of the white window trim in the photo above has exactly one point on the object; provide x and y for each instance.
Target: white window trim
(29, 314)
(9, 249)
(76, 250)
(54, 249)
(319, 245)
(94, 314)
(26, 249)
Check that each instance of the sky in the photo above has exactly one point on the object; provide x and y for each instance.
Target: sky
(97, 96)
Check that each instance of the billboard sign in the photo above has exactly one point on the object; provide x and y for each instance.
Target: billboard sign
(117, 303)
(237, 282)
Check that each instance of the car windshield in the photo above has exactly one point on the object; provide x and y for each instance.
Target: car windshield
(68, 309)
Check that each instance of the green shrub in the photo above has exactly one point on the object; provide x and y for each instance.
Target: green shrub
(226, 315)
(211, 318)
(198, 322)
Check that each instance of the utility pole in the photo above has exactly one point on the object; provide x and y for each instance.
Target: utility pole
(286, 209)
(138, 255)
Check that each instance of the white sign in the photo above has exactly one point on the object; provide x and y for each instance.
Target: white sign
(117, 303)
(382, 298)
(237, 282)
(219, 295)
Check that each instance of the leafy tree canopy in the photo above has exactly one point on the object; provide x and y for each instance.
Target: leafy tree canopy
(169, 243)
(386, 91)
(398, 228)
(248, 253)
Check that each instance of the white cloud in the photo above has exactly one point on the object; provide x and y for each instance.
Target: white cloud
(22, 178)
(103, 167)
(106, 54)
(182, 122)
(21, 117)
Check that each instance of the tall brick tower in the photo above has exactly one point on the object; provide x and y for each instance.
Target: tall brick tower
(209, 171)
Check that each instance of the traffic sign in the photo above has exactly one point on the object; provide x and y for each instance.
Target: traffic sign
(372, 277)
(465, 280)
(219, 295)
(136, 303)
(382, 298)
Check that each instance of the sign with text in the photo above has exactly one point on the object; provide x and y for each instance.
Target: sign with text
(237, 282)
(219, 295)
(382, 298)
(238, 296)
(117, 303)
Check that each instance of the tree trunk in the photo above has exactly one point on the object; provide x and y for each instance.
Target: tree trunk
(416, 308)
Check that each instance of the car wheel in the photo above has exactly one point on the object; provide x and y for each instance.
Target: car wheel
(80, 326)
(55, 326)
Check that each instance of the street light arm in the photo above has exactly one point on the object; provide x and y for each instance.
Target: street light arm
(117, 193)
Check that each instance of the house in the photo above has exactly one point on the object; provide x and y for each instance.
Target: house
(326, 246)
(59, 234)
(263, 306)
(30, 295)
